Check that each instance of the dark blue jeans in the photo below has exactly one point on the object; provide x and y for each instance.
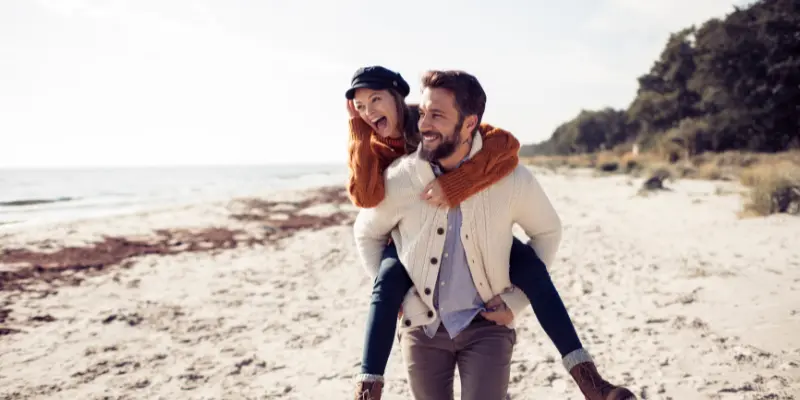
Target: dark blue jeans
(527, 272)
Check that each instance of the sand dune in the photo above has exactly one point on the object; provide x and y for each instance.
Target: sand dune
(672, 293)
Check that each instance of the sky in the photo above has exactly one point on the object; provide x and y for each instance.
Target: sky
(221, 82)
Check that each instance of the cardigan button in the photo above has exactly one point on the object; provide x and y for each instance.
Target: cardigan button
(408, 322)
(428, 291)
(440, 231)
(434, 260)
(430, 314)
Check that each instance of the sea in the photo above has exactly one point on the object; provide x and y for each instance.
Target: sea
(35, 196)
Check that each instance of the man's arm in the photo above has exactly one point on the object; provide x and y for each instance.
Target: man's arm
(371, 230)
(536, 216)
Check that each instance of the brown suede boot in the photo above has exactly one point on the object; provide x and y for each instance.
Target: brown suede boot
(594, 387)
(369, 390)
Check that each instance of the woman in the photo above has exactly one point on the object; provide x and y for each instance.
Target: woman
(383, 128)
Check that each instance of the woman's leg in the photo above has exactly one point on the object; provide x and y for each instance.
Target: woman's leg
(391, 286)
(529, 274)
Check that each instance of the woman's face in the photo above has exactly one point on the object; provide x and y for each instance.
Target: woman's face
(379, 109)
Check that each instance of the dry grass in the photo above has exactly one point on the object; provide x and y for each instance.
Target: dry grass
(775, 188)
(773, 179)
(607, 162)
(708, 166)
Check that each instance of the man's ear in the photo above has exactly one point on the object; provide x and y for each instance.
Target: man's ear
(470, 123)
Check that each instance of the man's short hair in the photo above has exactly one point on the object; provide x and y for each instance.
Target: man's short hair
(468, 92)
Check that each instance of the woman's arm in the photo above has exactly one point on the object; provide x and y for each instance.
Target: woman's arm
(497, 158)
(370, 155)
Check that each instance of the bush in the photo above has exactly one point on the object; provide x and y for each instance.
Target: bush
(605, 161)
(608, 166)
(630, 163)
(662, 172)
(656, 179)
(709, 171)
(774, 188)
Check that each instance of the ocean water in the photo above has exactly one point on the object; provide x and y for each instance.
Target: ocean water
(31, 196)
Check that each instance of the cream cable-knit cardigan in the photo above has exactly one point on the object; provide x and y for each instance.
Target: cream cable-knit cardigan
(418, 228)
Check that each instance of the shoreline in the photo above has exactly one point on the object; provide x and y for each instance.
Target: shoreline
(144, 207)
(40, 197)
(264, 297)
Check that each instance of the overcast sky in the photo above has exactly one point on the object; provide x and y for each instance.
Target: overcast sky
(164, 82)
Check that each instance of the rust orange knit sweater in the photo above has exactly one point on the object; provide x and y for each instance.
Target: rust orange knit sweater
(371, 154)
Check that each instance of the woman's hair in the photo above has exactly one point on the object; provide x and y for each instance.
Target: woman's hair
(411, 131)
(407, 118)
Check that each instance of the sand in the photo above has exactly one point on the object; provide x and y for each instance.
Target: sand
(672, 293)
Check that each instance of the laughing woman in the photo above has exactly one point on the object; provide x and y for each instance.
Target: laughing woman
(382, 129)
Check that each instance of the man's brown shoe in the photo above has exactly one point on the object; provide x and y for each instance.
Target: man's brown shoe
(369, 390)
(594, 387)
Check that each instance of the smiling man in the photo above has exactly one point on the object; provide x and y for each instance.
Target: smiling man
(461, 311)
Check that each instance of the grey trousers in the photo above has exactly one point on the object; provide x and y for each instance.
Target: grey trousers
(482, 353)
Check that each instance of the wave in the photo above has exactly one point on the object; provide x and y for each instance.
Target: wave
(58, 195)
(34, 202)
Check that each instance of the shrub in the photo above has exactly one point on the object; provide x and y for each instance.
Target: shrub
(775, 188)
(709, 171)
(662, 172)
(608, 166)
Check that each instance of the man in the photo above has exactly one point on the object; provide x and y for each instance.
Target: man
(462, 309)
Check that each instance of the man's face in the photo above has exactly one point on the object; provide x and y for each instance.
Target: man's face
(440, 124)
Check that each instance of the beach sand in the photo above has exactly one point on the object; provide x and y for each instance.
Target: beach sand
(673, 294)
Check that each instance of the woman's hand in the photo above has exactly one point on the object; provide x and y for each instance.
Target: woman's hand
(434, 195)
(351, 109)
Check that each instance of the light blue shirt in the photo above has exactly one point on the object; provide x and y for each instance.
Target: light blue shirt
(455, 296)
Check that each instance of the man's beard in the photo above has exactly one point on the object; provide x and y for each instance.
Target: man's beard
(446, 147)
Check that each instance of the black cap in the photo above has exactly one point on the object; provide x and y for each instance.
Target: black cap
(377, 78)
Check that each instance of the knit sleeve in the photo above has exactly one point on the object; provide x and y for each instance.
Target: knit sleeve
(498, 158)
(536, 215)
(369, 158)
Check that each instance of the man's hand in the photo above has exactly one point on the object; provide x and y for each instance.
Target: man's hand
(499, 313)
(434, 195)
(351, 110)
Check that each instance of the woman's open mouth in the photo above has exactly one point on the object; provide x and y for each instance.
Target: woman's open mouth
(380, 123)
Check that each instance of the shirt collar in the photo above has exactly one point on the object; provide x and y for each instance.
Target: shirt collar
(438, 170)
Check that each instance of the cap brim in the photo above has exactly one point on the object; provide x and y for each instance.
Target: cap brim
(351, 93)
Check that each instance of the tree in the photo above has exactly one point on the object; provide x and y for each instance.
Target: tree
(735, 81)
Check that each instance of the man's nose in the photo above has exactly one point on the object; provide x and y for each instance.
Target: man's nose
(424, 123)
